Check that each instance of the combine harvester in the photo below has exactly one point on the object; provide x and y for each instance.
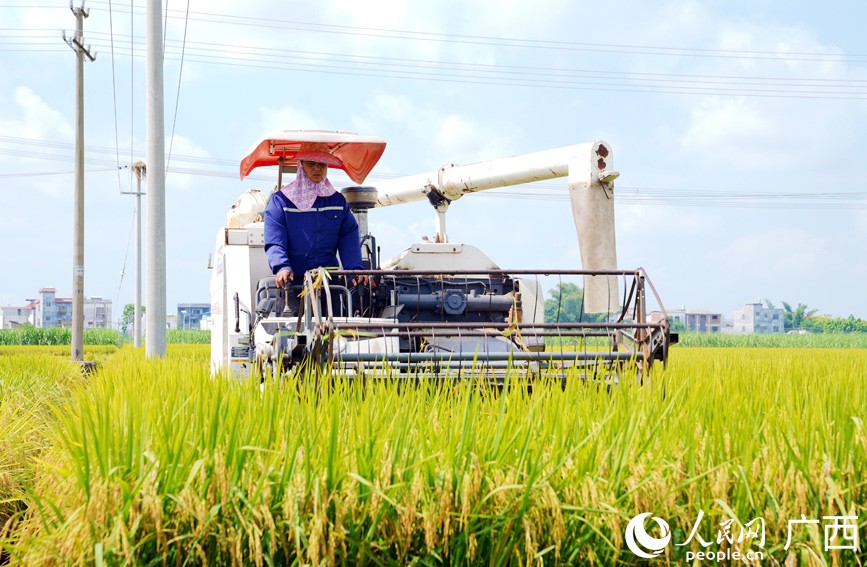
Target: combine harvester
(439, 307)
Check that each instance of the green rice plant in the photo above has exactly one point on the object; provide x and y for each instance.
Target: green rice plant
(188, 336)
(104, 337)
(30, 335)
(157, 461)
(820, 340)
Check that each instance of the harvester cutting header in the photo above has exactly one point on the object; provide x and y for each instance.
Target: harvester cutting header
(438, 306)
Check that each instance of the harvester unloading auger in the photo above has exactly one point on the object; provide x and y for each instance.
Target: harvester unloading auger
(438, 307)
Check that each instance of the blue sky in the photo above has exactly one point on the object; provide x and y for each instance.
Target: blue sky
(764, 104)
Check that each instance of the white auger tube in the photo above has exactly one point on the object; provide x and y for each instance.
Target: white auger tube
(590, 170)
(593, 212)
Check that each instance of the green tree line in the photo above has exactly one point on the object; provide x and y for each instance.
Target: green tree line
(802, 317)
(566, 305)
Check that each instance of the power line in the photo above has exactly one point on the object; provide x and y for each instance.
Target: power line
(673, 86)
(599, 73)
(126, 257)
(131, 97)
(560, 85)
(114, 95)
(44, 173)
(104, 149)
(856, 200)
(355, 59)
(178, 97)
(622, 191)
(414, 35)
(692, 87)
(523, 43)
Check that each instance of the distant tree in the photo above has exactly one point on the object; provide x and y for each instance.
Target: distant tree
(676, 325)
(793, 318)
(129, 315)
(567, 305)
(850, 324)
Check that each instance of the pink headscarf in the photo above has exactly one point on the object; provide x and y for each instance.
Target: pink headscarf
(303, 192)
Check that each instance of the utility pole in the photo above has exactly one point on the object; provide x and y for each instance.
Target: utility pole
(155, 346)
(140, 170)
(77, 45)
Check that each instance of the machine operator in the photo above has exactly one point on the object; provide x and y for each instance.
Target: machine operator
(308, 222)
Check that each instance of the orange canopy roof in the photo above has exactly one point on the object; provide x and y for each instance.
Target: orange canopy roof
(359, 153)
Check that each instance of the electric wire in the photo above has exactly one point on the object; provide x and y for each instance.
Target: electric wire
(450, 78)
(601, 73)
(178, 97)
(131, 95)
(272, 23)
(213, 50)
(714, 87)
(114, 96)
(622, 191)
(394, 70)
(43, 173)
(126, 255)
(649, 196)
(448, 36)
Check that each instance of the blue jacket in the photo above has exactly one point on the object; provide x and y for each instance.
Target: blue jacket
(304, 240)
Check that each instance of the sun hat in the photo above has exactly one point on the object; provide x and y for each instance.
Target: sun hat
(318, 152)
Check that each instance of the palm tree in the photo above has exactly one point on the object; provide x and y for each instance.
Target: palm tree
(793, 318)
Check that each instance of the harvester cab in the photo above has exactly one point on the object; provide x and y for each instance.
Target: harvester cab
(438, 307)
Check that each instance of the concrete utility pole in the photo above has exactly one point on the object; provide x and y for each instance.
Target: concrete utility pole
(155, 345)
(140, 169)
(77, 45)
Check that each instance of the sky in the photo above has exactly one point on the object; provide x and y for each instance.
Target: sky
(738, 130)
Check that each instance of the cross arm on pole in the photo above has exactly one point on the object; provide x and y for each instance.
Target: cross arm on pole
(76, 42)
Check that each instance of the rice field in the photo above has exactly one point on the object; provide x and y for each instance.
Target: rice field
(688, 340)
(156, 462)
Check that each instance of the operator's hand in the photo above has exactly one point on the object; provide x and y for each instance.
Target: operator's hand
(362, 279)
(283, 276)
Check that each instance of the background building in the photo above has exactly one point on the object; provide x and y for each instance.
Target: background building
(678, 315)
(756, 318)
(703, 321)
(207, 323)
(52, 311)
(11, 317)
(97, 313)
(695, 320)
(190, 314)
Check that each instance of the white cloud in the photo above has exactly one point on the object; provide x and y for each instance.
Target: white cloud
(771, 130)
(289, 118)
(31, 117)
(183, 147)
(443, 135)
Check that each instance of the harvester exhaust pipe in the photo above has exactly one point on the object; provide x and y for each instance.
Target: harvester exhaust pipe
(590, 170)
